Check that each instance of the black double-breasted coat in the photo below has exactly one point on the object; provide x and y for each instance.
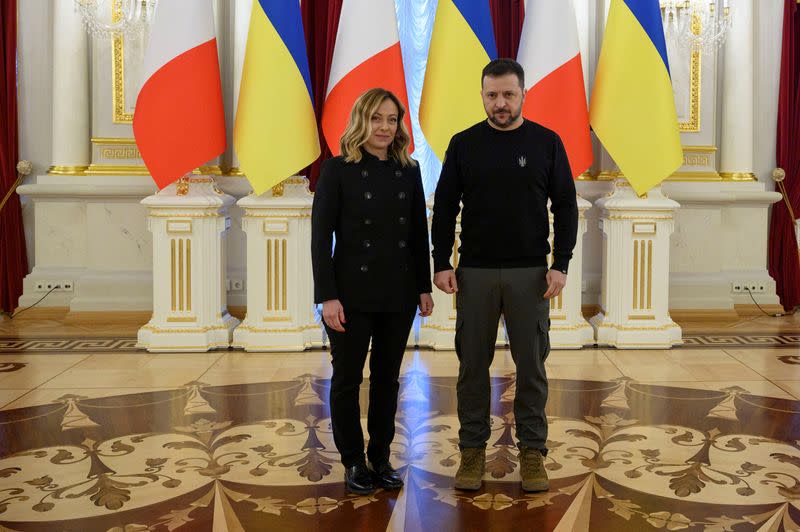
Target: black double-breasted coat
(376, 211)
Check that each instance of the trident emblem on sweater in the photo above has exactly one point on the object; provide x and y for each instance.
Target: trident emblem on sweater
(522, 161)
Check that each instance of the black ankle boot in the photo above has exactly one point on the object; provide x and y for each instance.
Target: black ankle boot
(357, 479)
(385, 476)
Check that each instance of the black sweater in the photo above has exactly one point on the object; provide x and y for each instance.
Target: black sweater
(504, 179)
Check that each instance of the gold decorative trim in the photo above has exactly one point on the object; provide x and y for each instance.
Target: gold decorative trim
(701, 149)
(272, 319)
(118, 70)
(113, 140)
(738, 176)
(610, 176)
(695, 176)
(117, 170)
(256, 214)
(633, 217)
(630, 328)
(695, 91)
(160, 330)
(638, 317)
(438, 327)
(172, 275)
(234, 171)
(301, 328)
(208, 170)
(182, 319)
(189, 274)
(586, 176)
(207, 214)
(269, 274)
(68, 170)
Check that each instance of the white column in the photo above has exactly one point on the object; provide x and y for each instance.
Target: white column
(71, 112)
(635, 285)
(582, 16)
(188, 222)
(736, 151)
(280, 286)
(568, 328)
(241, 25)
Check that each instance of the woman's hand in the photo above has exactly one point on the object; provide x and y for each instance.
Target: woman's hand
(333, 314)
(425, 305)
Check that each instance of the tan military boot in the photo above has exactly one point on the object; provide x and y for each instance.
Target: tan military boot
(531, 469)
(470, 472)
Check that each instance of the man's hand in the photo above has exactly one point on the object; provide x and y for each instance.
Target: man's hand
(425, 305)
(333, 314)
(555, 283)
(445, 281)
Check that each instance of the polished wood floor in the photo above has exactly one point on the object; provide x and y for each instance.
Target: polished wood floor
(96, 436)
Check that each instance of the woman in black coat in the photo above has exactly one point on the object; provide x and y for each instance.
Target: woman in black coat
(371, 198)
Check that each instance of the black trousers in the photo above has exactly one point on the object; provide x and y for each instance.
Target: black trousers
(389, 334)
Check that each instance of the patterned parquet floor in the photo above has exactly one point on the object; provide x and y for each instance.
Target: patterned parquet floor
(97, 436)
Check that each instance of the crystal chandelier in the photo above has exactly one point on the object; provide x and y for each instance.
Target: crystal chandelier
(116, 18)
(696, 25)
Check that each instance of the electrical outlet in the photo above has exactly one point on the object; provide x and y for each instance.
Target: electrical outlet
(744, 287)
(63, 285)
(237, 285)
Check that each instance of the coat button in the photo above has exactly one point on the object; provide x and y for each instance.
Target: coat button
(367, 243)
(367, 195)
(402, 243)
(398, 173)
(364, 173)
(367, 221)
(402, 220)
(402, 195)
(364, 268)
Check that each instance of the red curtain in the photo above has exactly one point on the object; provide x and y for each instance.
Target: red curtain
(320, 21)
(507, 16)
(13, 261)
(784, 265)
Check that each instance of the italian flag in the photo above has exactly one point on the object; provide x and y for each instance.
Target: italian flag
(179, 121)
(549, 51)
(366, 55)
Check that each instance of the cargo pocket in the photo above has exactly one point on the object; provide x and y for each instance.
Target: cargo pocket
(544, 337)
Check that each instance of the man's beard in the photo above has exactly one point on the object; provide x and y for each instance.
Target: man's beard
(511, 119)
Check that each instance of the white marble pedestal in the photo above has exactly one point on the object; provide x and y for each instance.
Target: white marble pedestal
(280, 287)
(635, 283)
(188, 221)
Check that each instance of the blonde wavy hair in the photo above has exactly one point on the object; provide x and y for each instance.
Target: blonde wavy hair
(359, 128)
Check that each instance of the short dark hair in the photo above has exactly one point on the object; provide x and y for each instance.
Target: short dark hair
(503, 66)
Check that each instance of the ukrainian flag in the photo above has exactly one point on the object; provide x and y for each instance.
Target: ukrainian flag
(275, 134)
(462, 43)
(632, 106)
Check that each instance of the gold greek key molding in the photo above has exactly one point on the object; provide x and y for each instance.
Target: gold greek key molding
(126, 152)
(68, 170)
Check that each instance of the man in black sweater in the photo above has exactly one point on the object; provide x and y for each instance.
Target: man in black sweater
(503, 171)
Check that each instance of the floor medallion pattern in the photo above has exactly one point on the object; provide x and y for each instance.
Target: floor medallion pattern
(623, 456)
